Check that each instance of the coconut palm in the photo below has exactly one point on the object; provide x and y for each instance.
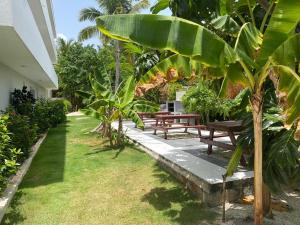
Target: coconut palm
(258, 55)
(108, 7)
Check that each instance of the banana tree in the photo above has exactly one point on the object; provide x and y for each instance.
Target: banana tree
(109, 106)
(254, 58)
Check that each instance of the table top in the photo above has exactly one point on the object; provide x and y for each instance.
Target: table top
(154, 113)
(177, 116)
(232, 125)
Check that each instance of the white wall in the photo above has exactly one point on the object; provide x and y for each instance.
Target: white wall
(9, 80)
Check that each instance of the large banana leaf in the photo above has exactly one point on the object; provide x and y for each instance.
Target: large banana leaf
(287, 82)
(226, 25)
(183, 65)
(248, 44)
(283, 21)
(234, 76)
(126, 93)
(169, 33)
(288, 53)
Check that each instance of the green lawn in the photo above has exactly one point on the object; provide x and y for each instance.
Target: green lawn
(76, 179)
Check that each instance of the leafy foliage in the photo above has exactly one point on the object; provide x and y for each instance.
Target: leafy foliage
(9, 156)
(22, 101)
(108, 106)
(201, 99)
(73, 66)
(23, 132)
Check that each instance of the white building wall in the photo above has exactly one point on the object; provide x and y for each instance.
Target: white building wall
(9, 80)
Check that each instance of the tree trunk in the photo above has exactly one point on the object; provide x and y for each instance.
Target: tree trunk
(258, 178)
(267, 201)
(110, 134)
(118, 51)
(120, 130)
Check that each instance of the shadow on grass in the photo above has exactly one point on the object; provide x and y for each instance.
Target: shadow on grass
(48, 165)
(117, 149)
(13, 215)
(177, 203)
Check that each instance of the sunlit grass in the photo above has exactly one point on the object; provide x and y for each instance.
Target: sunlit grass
(77, 179)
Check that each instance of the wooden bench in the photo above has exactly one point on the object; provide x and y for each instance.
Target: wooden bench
(163, 123)
(149, 117)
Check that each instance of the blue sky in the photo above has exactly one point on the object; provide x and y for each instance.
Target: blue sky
(66, 13)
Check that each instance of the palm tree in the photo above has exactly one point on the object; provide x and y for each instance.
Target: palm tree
(63, 45)
(108, 7)
(269, 51)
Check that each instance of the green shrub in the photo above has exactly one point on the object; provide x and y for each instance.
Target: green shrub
(200, 99)
(172, 88)
(23, 132)
(41, 115)
(22, 101)
(57, 112)
(8, 156)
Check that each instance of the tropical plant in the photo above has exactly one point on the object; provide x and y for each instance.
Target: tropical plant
(109, 106)
(256, 55)
(203, 100)
(23, 101)
(23, 132)
(9, 156)
(74, 63)
(108, 7)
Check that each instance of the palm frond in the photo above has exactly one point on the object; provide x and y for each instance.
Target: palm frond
(88, 32)
(89, 14)
(142, 4)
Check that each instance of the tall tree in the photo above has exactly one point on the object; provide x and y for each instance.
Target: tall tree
(109, 7)
(75, 62)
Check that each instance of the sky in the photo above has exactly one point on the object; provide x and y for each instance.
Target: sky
(66, 14)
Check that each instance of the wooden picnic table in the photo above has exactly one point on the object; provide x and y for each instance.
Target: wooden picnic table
(149, 117)
(231, 128)
(167, 122)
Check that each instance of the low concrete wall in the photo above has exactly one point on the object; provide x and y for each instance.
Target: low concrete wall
(209, 194)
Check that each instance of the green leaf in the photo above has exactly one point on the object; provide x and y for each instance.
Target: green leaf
(283, 21)
(169, 33)
(83, 94)
(126, 93)
(183, 65)
(159, 6)
(98, 103)
(226, 25)
(234, 75)
(132, 48)
(131, 114)
(287, 82)
(248, 43)
(234, 161)
(288, 53)
(145, 106)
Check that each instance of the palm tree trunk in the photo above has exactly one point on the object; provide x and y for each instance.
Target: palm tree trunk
(258, 178)
(118, 51)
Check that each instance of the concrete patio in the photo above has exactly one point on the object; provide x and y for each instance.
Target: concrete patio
(185, 157)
